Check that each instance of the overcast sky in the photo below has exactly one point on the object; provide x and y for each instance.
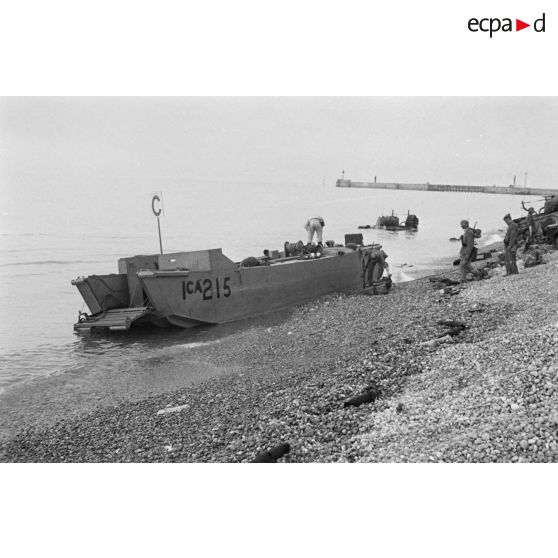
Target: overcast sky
(130, 141)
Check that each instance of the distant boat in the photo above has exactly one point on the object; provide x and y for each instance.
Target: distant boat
(391, 222)
(188, 289)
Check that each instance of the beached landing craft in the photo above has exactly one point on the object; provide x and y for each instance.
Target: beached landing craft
(188, 289)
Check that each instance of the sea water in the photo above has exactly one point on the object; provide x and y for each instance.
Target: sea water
(49, 237)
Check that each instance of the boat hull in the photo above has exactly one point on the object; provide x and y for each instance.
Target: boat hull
(224, 292)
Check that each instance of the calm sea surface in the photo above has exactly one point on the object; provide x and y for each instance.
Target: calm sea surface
(47, 239)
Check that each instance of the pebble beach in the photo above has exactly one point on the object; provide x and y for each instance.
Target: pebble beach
(488, 393)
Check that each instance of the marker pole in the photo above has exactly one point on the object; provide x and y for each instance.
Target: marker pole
(160, 241)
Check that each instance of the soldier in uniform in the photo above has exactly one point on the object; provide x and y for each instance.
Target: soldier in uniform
(467, 252)
(531, 228)
(510, 246)
(315, 225)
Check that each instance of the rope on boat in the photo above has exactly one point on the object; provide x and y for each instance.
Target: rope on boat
(301, 249)
(294, 248)
(132, 296)
(82, 316)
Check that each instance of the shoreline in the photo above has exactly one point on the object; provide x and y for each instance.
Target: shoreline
(288, 382)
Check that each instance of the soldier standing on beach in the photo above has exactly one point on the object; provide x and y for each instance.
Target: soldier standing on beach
(510, 246)
(531, 228)
(467, 251)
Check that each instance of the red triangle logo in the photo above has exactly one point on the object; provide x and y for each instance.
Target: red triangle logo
(519, 25)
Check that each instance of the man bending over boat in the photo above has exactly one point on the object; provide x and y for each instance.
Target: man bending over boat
(315, 225)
